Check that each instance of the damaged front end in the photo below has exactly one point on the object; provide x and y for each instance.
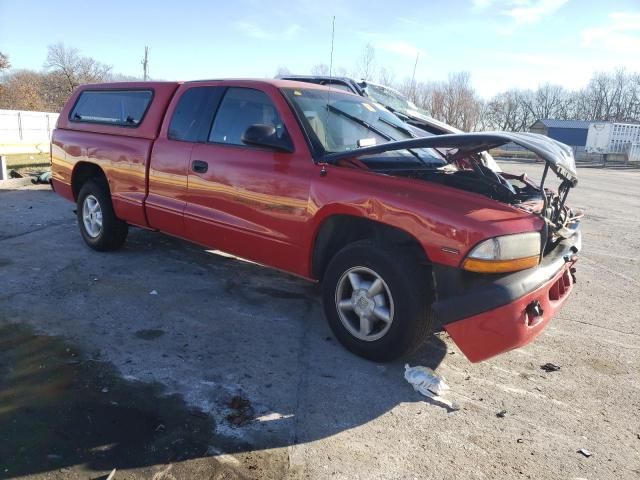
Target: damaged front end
(490, 310)
(466, 169)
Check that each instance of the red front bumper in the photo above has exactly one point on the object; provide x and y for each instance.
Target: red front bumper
(512, 325)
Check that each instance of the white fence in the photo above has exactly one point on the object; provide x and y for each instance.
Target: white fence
(25, 132)
(634, 153)
(606, 138)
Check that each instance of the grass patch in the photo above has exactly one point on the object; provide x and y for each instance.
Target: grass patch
(26, 160)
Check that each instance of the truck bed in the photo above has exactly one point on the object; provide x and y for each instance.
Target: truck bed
(122, 153)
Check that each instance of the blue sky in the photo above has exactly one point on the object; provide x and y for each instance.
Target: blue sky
(502, 43)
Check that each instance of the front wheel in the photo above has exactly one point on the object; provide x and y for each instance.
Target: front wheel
(377, 300)
(99, 226)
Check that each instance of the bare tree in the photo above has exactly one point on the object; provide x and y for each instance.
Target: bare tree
(366, 64)
(386, 77)
(503, 111)
(609, 96)
(454, 101)
(4, 62)
(282, 71)
(508, 111)
(22, 90)
(340, 72)
(320, 69)
(547, 101)
(75, 68)
(4, 65)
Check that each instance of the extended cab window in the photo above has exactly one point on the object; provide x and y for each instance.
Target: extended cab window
(241, 108)
(191, 119)
(123, 108)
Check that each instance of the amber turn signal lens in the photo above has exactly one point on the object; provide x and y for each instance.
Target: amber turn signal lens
(499, 266)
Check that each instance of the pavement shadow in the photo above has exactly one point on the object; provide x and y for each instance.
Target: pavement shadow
(58, 409)
(227, 357)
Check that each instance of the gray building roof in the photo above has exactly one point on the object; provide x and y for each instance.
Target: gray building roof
(551, 123)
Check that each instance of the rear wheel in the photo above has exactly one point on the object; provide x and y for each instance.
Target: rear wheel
(377, 300)
(99, 226)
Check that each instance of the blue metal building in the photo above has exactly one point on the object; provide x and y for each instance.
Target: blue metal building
(570, 132)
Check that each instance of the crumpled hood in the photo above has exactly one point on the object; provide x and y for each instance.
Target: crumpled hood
(557, 155)
(430, 121)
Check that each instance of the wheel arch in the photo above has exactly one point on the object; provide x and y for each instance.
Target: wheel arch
(83, 171)
(340, 229)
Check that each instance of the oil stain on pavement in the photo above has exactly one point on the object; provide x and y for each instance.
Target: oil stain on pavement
(150, 334)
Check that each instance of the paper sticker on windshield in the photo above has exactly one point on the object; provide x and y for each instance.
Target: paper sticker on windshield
(368, 107)
(366, 142)
(297, 92)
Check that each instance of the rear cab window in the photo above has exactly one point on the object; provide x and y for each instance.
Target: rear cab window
(122, 108)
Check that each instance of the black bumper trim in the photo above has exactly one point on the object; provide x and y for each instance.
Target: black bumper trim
(505, 289)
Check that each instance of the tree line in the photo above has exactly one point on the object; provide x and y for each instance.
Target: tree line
(48, 89)
(608, 96)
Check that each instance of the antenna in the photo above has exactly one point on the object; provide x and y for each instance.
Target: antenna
(333, 32)
(145, 64)
(413, 78)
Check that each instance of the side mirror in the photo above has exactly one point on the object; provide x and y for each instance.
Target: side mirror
(262, 135)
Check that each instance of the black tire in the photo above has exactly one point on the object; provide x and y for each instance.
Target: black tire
(409, 285)
(114, 231)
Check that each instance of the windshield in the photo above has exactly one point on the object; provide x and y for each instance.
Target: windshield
(391, 99)
(342, 122)
(388, 98)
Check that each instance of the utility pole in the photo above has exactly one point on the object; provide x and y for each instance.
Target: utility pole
(413, 77)
(145, 64)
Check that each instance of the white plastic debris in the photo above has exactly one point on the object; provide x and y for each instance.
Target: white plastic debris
(425, 381)
(153, 292)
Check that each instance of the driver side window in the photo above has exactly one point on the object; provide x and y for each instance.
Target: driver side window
(241, 108)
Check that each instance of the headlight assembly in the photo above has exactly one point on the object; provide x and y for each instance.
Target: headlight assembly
(507, 253)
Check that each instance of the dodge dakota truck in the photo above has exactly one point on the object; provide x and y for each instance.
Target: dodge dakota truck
(409, 235)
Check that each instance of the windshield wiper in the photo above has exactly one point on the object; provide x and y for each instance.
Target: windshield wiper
(360, 122)
(367, 125)
(408, 132)
(400, 128)
(397, 113)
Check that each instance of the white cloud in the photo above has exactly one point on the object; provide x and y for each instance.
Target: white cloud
(251, 30)
(400, 47)
(621, 34)
(480, 4)
(256, 31)
(522, 11)
(291, 31)
(533, 11)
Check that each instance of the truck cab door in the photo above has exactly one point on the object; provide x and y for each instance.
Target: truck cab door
(190, 115)
(251, 201)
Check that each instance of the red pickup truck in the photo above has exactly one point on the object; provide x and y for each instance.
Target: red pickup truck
(408, 234)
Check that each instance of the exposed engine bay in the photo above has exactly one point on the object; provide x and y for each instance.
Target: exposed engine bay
(461, 166)
(516, 190)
